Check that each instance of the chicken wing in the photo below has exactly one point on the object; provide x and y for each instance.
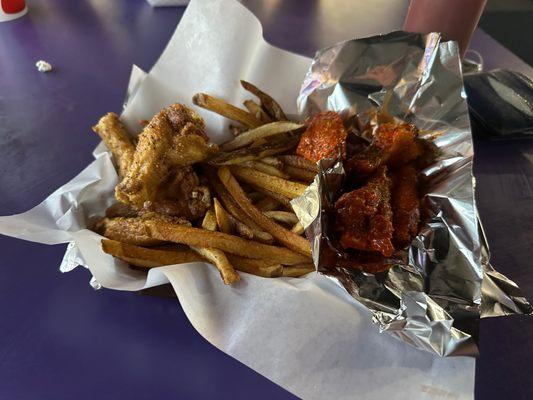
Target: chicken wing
(405, 205)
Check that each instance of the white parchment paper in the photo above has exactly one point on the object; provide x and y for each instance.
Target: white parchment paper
(306, 335)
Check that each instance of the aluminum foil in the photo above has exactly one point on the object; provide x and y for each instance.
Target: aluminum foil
(434, 294)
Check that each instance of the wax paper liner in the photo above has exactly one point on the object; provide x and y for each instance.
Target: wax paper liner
(434, 294)
(307, 335)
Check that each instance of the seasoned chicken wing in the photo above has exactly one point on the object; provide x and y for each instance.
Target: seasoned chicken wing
(174, 138)
(117, 140)
(405, 205)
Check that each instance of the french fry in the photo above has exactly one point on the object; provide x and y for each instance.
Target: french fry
(296, 271)
(256, 110)
(298, 162)
(231, 244)
(126, 230)
(275, 145)
(266, 168)
(262, 268)
(227, 110)
(282, 216)
(117, 140)
(210, 220)
(272, 161)
(284, 201)
(261, 132)
(223, 221)
(268, 103)
(148, 258)
(284, 236)
(220, 261)
(272, 183)
(267, 204)
(297, 228)
(300, 174)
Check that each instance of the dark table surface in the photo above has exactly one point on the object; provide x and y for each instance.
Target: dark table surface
(59, 339)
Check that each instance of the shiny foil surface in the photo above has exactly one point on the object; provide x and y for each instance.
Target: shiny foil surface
(434, 294)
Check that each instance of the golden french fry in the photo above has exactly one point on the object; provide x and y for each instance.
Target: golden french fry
(296, 271)
(282, 216)
(262, 132)
(297, 228)
(210, 220)
(223, 221)
(300, 174)
(256, 110)
(272, 161)
(231, 244)
(289, 239)
(117, 140)
(272, 183)
(269, 104)
(275, 145)
(284, 201)
(126, 230)
(298, 162)
(241, 229)
(267, 204)
(227, 110)
(220, 261)
(148, 258)
(262, 268)
(266, 168)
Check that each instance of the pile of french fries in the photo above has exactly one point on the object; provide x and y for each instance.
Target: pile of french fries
(250, 225)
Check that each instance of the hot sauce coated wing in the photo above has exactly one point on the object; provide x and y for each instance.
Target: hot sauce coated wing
(405, 205)
(392, 145)
(364, 216)
(325, 137)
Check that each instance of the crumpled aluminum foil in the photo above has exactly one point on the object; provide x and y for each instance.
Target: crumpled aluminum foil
(431, 298)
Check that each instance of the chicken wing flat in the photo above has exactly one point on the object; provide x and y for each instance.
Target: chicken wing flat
(405, 205)
(325, 137)
(117, 140)
(393, 144)
(364, 216)
(174, 138)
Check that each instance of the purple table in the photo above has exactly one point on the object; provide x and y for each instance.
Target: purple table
(62, 340)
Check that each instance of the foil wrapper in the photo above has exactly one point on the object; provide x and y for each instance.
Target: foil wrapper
(434, 294)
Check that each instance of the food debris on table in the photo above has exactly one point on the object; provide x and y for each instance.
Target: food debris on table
(43, 66)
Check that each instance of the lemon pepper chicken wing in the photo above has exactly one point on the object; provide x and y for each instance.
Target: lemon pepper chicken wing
(117, 140)
(174, 138)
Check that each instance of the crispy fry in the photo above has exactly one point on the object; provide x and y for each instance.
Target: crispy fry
(223, 221)
(148, 258)
(266, 168)
(210, 220)
(289, 239)
(300, 174)
(284, 201)
(221, 262)
(268, 103)
(117, 140)
(219, 106)
(272, 183)
(241, 229)
(297, 228)
(231, 244)
(298, 162)
(267, 204)
(262, 268)
(262, 132)
(282, 216)
(275, 145)
(256, 110)
(272, 161)
(296, 271)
